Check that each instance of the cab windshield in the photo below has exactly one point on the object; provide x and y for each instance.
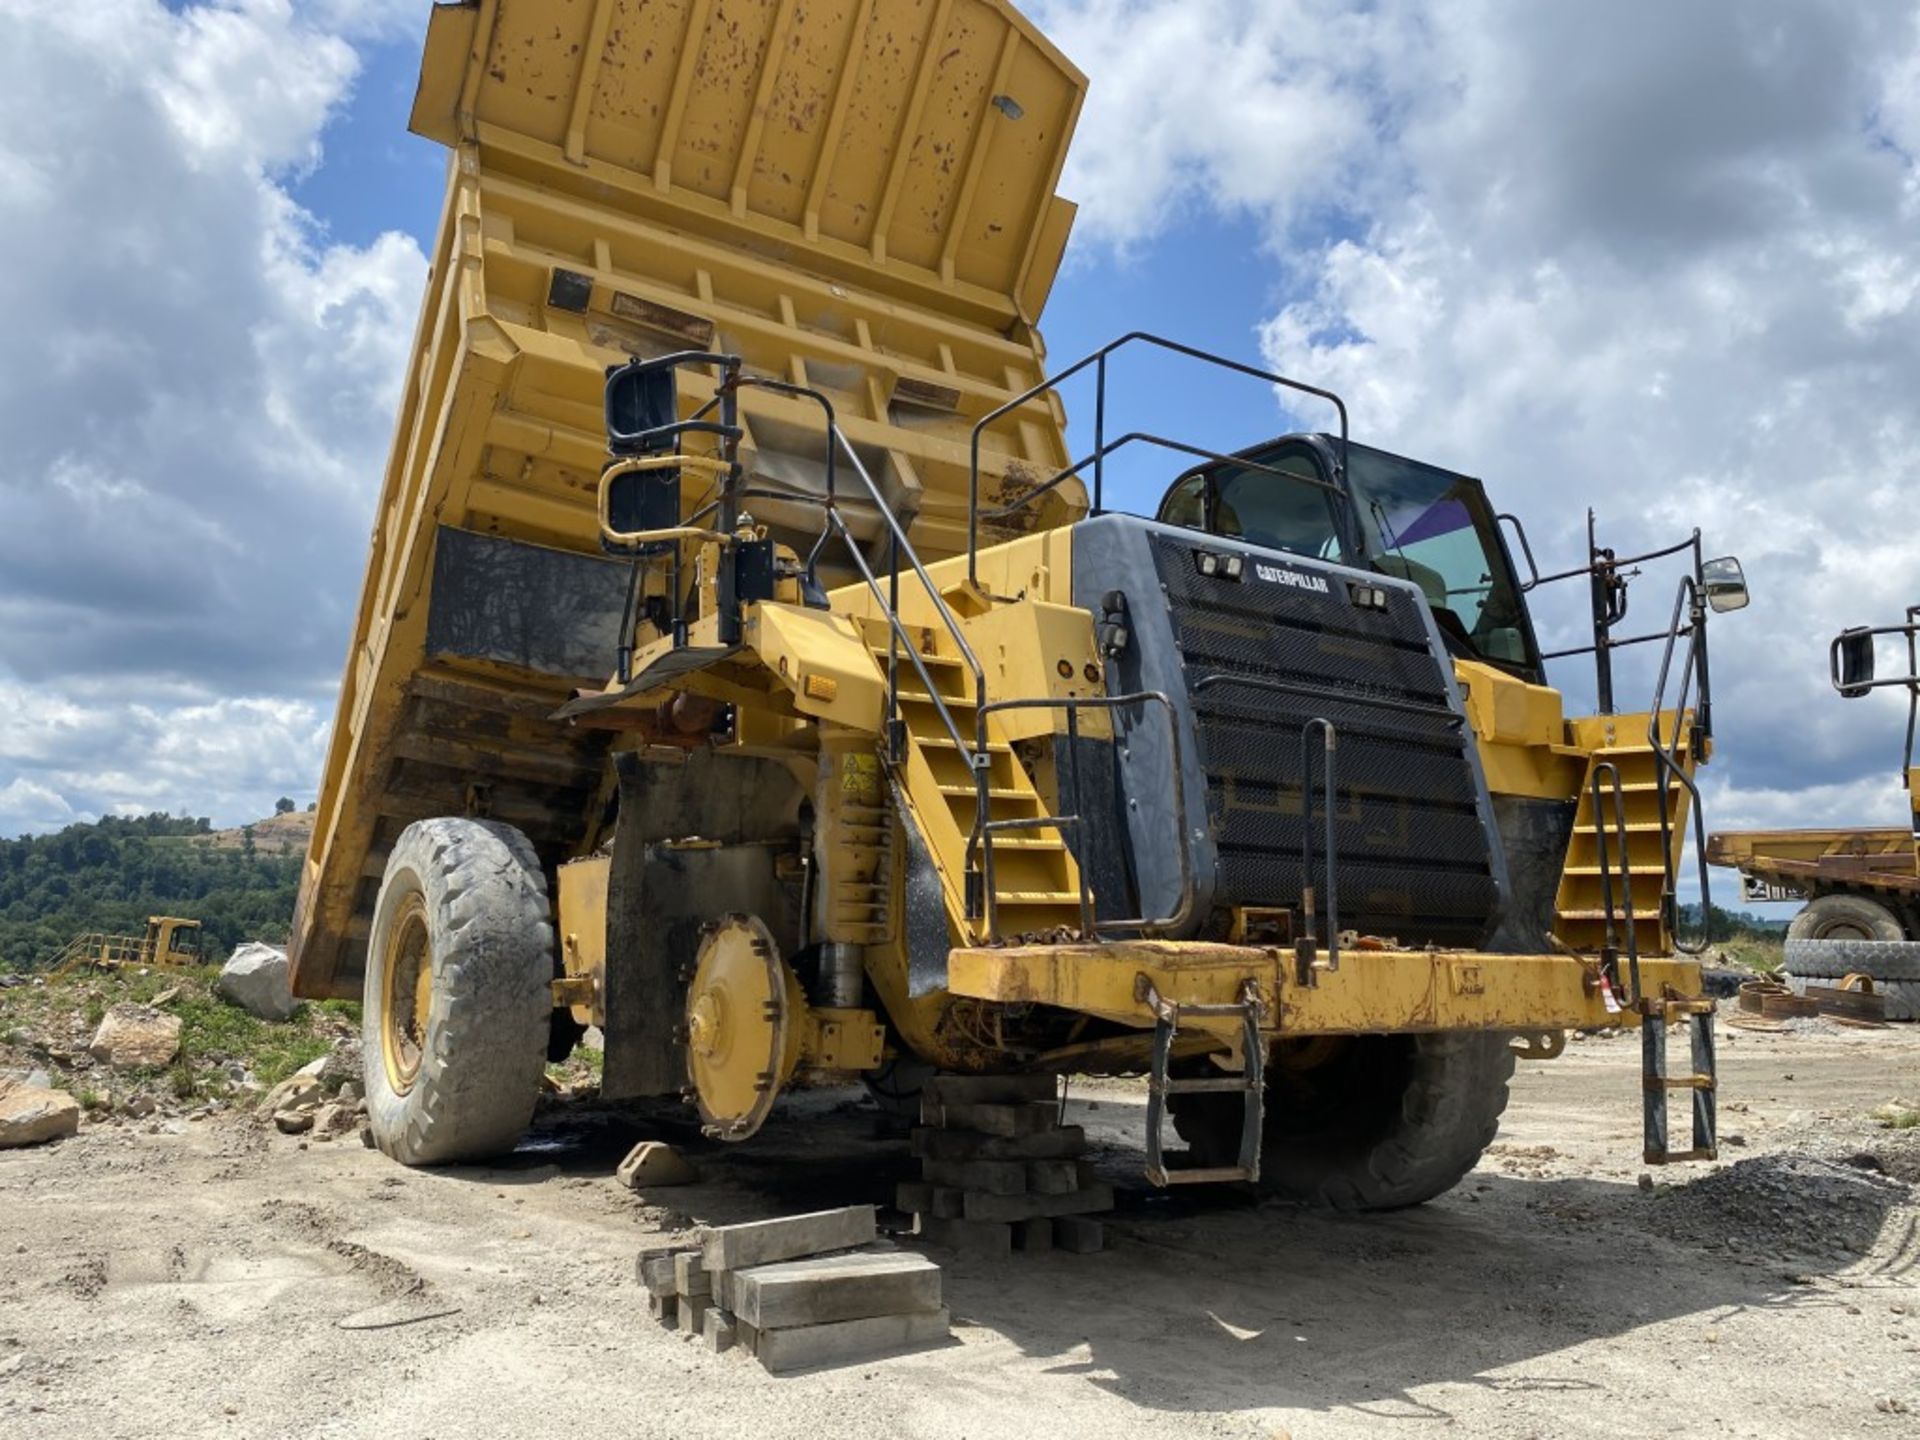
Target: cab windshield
(1437, 530)
(1412, 521)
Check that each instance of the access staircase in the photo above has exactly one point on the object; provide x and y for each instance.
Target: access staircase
(1036, 888)
(1653, 839)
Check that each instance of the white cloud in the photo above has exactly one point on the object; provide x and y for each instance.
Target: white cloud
(199, 425)
(1656, 259)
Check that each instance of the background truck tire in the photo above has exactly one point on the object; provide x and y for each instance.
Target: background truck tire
(458, 997)
(1826, 959)
(1385, 1122)
(1846, 917)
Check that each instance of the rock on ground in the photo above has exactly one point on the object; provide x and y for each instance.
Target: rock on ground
(652, 1163)
(30, 1115)
(256, 978)
(136, 1035)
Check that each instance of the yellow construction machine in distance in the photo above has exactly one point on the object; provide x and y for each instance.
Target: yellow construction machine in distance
(168, 940)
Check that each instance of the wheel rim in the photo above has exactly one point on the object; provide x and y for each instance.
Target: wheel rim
(408, 997)
(1845, 930)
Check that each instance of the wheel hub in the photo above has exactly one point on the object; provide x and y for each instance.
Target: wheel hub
(407, 997)
(742, 1036)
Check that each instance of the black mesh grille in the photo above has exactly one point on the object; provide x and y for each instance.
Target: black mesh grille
(1414, 856)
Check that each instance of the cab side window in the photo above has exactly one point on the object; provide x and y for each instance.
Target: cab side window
(1186, 504)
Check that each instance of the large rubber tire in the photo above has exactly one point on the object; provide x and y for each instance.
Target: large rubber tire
(1846, 917)
(1901, 997)
(1882, 959)
(466, 900)
(1385, 1122)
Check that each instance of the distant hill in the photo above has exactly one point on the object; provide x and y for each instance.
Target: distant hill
(113, 874)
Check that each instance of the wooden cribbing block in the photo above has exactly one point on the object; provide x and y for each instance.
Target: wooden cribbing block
(1033, 1236)
(837, 1287)
(929, 1142)
(973, 1237)
(719, 1330)
(1028, 1207)
(693, 1314)
(690, 1277)
(994, 1177)
(665, 1309)
(1078, 1235)
(847, 1342)
(655, 1270)
(1005, 1121)
(767, 1242)
(913, 1196)
(987, 1090)
(1052, 1177)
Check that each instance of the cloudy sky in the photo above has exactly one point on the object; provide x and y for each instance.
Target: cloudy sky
(1662, 260)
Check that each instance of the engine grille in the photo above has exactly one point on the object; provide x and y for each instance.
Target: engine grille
(1415, 858)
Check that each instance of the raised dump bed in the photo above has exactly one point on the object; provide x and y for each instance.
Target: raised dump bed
(853, 195)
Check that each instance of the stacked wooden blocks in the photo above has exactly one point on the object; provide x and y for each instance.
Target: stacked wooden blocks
(998, 1171)
(800, 1292)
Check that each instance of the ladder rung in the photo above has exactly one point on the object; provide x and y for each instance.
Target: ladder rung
(951, 662)
(1596, 872)
(1004, 898)
(1679, 1082)
(1029, 844)
(1211, 1175)
(1620, 916)
(921, 697)
(1674, 1157)
(964, 791)
(1222, 1085)
(945, 742)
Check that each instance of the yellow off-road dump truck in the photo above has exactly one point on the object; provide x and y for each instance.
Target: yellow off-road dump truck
(1861, 886)
(745, 667)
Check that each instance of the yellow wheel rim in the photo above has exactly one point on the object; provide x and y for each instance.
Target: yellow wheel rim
(408, 995)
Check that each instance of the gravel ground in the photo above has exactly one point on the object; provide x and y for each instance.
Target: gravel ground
(218, 1279)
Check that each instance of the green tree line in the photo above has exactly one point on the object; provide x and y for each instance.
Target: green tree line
(112, 874)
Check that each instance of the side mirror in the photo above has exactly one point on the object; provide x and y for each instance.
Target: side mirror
(1853, 663)
(1725, 584)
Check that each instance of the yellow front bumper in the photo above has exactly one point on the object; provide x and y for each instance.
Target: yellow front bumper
(1373, 991)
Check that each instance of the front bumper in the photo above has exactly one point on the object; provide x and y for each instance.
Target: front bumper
(1373, 991)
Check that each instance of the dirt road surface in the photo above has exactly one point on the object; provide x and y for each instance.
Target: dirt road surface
(217, 1279)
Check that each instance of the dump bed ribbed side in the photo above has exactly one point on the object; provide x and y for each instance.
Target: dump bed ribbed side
(856, 195)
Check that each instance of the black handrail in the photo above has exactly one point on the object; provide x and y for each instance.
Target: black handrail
(1090, 925)
(1098, 359)
(1910, 681)
(1610, 948)
(1690, 601)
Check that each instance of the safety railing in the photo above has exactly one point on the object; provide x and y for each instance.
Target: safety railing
(1690, 603)
(1610, 946)
(1101, 450)
(1074, 821)
(1850, 660)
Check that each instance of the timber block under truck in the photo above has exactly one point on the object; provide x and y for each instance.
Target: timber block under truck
(1861, 887)
(746, 667)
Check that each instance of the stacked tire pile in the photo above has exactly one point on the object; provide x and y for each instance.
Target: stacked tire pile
(1841, 935)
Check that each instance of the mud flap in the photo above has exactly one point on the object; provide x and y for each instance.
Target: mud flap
(660, 893)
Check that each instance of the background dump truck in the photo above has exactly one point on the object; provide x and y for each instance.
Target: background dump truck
(1862, 887)
(745, 667)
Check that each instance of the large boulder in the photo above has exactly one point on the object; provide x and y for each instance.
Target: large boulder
(256, 978)
(136, 1036)
(30, 1115)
